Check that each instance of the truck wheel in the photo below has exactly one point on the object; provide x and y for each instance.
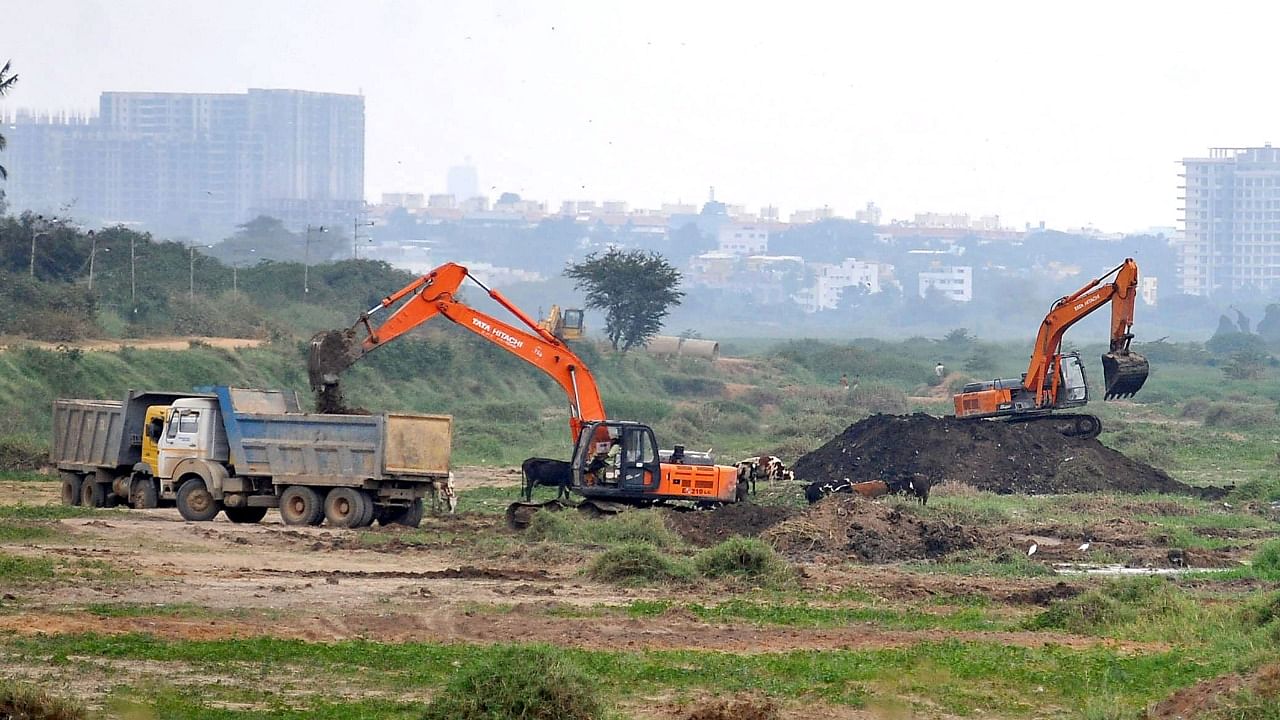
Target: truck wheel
(93, 494)
(411, 516)
(301, 505)
(346, 507)
(370, 511)
(142, 494)
(195, 502)
(71, 488)
(245, 514)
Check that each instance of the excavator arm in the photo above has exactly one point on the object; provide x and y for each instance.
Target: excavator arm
(436, 294)
(1124, 371)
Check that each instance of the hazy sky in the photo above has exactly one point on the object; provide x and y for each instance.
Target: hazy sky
(1074, 115)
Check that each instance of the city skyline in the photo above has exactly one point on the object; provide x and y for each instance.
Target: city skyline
(936, 107)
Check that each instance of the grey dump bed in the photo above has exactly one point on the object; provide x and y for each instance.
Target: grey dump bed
(91, 434)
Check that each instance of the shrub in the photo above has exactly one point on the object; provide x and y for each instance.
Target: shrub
(22, 702)
(532, 683)
(22, 453)
(682, 386)
(1263, 611)
(743, 557)
(637, 564)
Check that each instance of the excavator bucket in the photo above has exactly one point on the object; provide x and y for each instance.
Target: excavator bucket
(1123, 372)
(331, 352)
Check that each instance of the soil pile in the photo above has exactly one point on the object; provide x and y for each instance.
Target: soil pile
(851, 526)
(707, 528)
(999, 457)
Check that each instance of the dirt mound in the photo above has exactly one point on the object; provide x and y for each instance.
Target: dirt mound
(707, 528)
(1216, 694)
(998, 457)
(851, 526)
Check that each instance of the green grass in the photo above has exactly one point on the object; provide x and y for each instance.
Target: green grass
(951, 676)
(20, 570)
(638, 564)
(575, 528)
(810, 616)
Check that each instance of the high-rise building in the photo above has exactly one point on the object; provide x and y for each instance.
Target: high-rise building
(1231, 221)
(194, 164)
(463, 182)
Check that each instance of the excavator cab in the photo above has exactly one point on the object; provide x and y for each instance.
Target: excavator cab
(1074, 390)
(616, 458)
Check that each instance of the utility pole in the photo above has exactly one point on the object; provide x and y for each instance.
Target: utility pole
(355, 235)
(191, 277)
(93, 252)
(306, 265)
(133, 274)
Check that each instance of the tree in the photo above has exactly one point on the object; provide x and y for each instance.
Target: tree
(7, 81)
(635, 289)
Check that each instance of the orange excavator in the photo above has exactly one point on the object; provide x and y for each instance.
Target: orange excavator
(615, 463)
(1055, 380)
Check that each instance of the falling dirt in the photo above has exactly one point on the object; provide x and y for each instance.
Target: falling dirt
(851, 526)
(707, 528)
(998, 457)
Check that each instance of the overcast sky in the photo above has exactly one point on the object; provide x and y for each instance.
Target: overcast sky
(1073, 115)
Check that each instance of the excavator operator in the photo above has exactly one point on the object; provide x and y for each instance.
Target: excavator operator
(603, 468)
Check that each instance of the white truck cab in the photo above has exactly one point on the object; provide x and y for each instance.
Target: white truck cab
(191, 430)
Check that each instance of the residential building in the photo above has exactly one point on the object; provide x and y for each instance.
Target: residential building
(1231, 221)
(832, 281)
(871, 215)
(1148, 289)
(463, 182)
(194, 164)
(740, 239)
(408, 201)
(955, 282)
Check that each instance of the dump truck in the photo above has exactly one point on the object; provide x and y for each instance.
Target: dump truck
(241, 451)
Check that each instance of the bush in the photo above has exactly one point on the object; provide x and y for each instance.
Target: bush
(531, 683)
(742, 557)
(637, 564)
(1263, 611)
(21, 702)
(22, 453)
(682, 386)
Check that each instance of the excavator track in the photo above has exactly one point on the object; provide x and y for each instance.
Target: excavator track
(1079, 425)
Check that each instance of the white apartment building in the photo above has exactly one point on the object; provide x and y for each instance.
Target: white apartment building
(955, 282)
(739, 239)
(832, 281)
(1231, 221)
(1148, 290)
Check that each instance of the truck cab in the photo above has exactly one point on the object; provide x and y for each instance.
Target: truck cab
(191, 429)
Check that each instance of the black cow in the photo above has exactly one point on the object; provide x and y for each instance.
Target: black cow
(547, 472)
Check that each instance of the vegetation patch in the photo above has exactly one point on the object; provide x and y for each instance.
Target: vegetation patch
(638, 564)
(578, 529)
(529, 683)
(23, 702)
(17, 569)
(742, 557)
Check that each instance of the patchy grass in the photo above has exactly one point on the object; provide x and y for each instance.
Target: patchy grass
(638, 564)
(744, 558)
(24, 702)
(20, 570)
(801, 615)
(533, 682)
(575, 528)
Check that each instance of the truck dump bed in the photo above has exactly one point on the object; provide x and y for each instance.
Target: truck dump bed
(318, 449)
(91, 434)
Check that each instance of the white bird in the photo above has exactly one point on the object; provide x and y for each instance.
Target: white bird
(1032, 550)
(1083, 547)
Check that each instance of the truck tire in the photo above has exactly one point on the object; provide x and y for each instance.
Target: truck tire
(195, 502)
(143, 494)
(347, 507)
(71, 488)
(245, 514)
(411, 516)
(93, 494)
(301, 505)
(370, 510)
